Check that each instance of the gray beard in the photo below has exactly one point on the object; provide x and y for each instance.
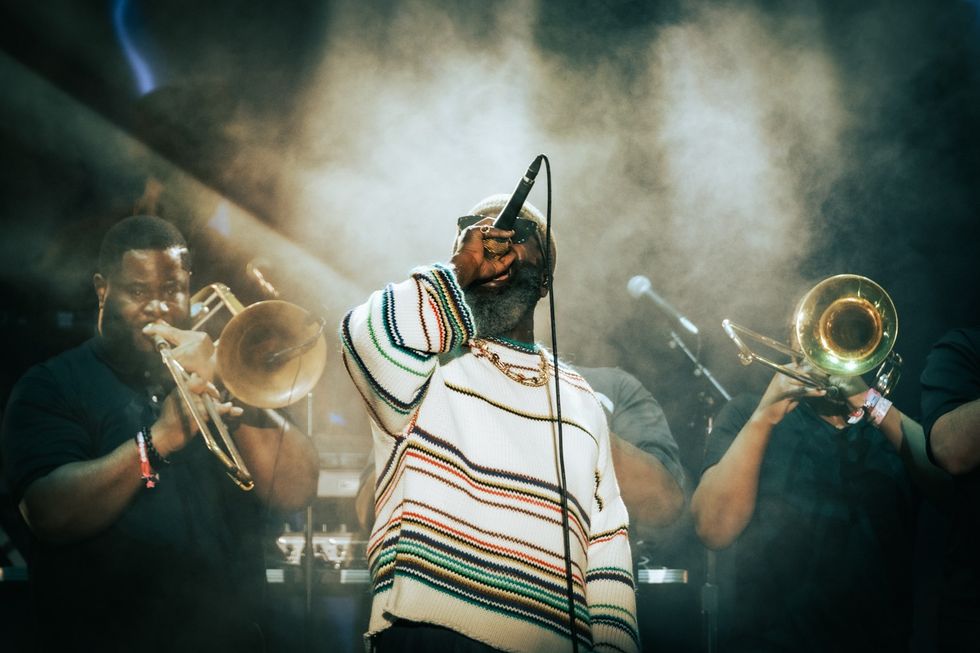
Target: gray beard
(498, 312)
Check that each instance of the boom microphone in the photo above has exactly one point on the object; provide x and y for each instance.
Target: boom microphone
(640, 285)
(508, 215)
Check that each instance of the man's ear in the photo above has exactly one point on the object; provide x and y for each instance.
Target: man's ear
(101, 287)
(545, 284)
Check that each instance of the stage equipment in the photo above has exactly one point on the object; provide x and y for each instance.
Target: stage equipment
(334, 550)
(844, 326)
(269, 355)
(640, 286)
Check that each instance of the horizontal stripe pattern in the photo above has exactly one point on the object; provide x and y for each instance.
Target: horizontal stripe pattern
(391, 357)
(468, 530)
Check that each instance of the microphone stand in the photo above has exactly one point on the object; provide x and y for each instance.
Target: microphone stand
(308, 546)
(253, 270)
(699, 370)
(709, 591)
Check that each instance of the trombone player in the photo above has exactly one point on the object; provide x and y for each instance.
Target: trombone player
(140, 540)
(812, 483)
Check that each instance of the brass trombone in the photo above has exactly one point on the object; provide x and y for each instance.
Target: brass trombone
(269, 355)
(844, 326)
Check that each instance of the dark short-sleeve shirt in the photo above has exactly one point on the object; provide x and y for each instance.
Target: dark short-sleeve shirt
(825, 562)
(635, 415)
(182, 565)
(951, 378)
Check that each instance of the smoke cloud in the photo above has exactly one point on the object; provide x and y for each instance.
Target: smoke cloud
(701, 162)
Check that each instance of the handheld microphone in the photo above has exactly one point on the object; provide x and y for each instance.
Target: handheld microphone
(641, 286)
(508, 215)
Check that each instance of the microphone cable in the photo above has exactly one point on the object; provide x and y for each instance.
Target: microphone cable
(562, 481)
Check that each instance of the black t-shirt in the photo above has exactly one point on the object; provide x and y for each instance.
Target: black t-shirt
(181, 569)
(950, 379)
(825, 564)
(634, 415)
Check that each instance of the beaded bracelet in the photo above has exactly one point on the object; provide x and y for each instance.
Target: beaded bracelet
(154, 455)
(149, 476)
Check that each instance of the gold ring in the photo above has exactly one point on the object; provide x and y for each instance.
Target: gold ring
(496, 247)
(485, 229)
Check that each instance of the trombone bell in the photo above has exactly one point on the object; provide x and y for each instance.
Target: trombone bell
(846, 325)
(271, 354)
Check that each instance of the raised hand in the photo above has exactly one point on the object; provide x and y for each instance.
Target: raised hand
(470, 259)
(194, 350)
(852, 391)
(783, 396)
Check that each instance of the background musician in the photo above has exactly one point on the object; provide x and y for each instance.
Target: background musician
(822, 515)
(141, 541)
(951, 418)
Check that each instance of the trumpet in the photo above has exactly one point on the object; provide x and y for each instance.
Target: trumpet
(269, 355)
(845, 325)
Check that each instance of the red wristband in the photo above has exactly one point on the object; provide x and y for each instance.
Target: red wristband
(149, 476)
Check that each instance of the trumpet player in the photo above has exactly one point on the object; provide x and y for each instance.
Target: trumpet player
(141, 542)
(815, 497)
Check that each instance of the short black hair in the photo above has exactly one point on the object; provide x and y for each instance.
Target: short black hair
(140, 232)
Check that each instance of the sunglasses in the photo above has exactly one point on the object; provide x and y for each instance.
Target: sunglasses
(523, 228)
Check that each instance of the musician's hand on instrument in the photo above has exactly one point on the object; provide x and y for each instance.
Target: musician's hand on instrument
(852, 390)
(783, 395)
(194, 350)
(176, 427)
(470, 259)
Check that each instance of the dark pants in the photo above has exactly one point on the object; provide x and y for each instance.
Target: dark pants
(414, 637)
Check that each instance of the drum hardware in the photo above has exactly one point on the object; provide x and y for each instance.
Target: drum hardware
(291, 575)
(661, 576)
(338, 550)
(648, 575)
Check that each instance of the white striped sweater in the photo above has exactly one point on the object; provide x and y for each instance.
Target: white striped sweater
(468, 531)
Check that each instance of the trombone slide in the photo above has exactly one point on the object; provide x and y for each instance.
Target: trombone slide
(232, 460)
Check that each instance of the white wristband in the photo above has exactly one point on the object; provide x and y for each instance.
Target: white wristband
(881, 408)
(874, 409)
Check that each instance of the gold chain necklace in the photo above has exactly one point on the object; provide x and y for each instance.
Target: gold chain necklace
(512, 371)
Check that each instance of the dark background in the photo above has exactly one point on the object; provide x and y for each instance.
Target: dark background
(734, 152)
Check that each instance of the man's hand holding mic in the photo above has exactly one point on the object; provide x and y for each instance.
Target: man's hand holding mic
(470, 259)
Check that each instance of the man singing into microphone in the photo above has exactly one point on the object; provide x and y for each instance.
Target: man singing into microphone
(467, 550)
